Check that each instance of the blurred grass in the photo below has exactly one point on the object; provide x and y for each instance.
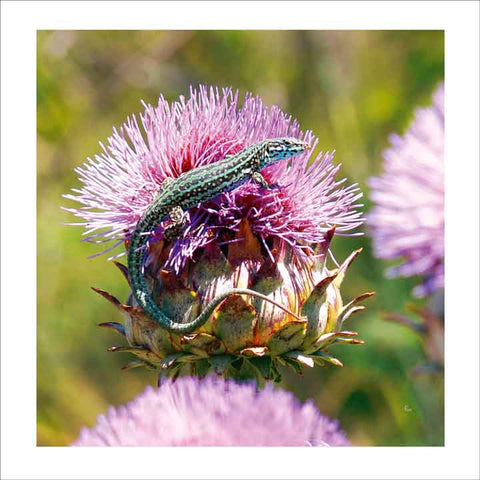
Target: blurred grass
(352, 88)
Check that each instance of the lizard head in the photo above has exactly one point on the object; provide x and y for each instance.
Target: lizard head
(280, 148)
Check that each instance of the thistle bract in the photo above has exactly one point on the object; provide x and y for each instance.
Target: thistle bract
(246, 337)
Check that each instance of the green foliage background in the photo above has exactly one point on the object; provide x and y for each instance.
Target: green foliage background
(352, 88)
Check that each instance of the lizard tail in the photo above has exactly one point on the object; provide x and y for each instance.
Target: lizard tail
(184, 328)
(146, 302)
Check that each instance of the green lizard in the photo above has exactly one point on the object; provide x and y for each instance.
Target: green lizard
(189, 189)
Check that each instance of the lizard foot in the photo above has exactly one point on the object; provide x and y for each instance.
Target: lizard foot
(175, 229)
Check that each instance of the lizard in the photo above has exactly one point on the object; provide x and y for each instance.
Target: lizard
(189, 189)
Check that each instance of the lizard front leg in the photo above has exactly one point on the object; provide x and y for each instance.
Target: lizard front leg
(257, 177)
(175, 229)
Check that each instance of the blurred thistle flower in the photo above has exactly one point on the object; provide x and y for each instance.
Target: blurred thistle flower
(213, 412)
(407, 220)
(274, 242)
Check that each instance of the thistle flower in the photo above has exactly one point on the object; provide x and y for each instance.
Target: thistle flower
(407, 220)
(275, 243)
(121, 183)
(213, 412)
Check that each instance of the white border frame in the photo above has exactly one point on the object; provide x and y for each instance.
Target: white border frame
(22, 459)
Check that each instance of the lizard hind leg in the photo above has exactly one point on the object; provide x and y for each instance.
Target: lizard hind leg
(259, 179)
(175, 229)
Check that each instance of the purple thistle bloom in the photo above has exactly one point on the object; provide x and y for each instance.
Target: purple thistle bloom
(120, 183)
(408, 217)
(213, 412)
